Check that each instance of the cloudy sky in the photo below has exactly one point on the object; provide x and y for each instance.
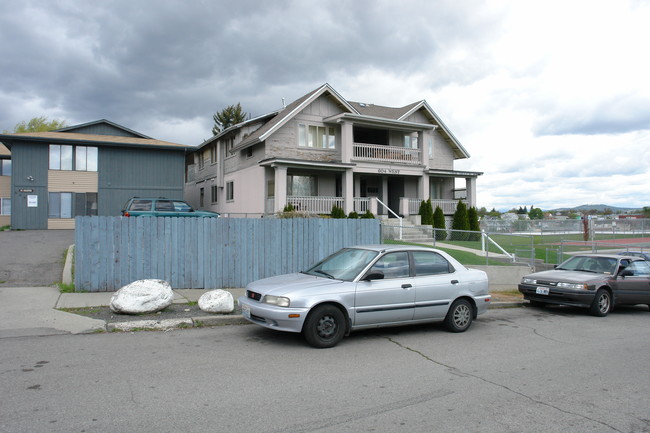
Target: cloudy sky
(551, 98)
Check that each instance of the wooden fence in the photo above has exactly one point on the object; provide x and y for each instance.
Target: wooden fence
(205, 253)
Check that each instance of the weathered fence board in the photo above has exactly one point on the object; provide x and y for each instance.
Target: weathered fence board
(199, 253)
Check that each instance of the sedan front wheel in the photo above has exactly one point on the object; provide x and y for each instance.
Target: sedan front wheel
(324, 327)
(602, 303)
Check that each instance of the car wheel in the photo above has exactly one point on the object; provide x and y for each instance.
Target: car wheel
(459, 316)
(602, 303)
(324, 327)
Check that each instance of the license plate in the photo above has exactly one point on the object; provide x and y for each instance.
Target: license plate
(246, 311)
(542, 291)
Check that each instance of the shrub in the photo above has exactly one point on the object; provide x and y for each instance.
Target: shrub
(460, 222)
(337, 212)
(353, 215)
(472, 216)
(368, 215)
(288, 208)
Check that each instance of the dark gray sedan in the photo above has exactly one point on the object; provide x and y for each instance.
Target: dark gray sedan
(594, 281)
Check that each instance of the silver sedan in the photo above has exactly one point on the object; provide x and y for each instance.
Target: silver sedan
(368, 286)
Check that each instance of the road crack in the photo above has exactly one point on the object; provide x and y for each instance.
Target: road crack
(457, 372)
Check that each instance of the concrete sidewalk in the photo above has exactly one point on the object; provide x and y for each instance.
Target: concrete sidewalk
(34, 311)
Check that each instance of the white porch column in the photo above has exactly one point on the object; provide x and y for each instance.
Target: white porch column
(348, 191)
(280, 188)
(384, 194)
(347, 142)
(373, 205)
(424, 186)
(470, 187)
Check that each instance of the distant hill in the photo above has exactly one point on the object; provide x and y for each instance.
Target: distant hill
(598, 207)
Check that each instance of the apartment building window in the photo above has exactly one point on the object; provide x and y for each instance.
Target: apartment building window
(249, 152)
(319, 137)
(201, 197)
(201, 160)
(5, 167)
(214, 194)
(302, 186)
(430, 144)
(77, 158)
(213, 154)
(69, 205)
(230, 191)
(230, 144)
(5, 206)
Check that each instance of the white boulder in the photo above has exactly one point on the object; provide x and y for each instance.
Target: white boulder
(217, 301)
(142, 296)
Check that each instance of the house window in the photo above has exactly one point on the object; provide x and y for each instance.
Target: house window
(78, 158)
(430, 144)
(5, 167)
(230, 191)
(230, 144)
(5, 206)
(214, 195)
(302, 186)
(201, 196)
(68, 204)
(249, 152)
(410, 141)
(320, 137)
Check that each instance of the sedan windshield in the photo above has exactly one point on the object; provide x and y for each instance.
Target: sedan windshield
(344, 265)
(600, 265)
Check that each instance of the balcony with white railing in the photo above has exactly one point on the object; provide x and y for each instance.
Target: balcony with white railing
(315, 204)
(381, 153)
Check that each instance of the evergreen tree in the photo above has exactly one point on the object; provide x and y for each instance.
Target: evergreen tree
(229, 116)
(439, 223)
(426, 212)
(460, 222)
(472, 216)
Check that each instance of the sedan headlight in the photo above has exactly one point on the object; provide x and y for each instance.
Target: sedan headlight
(529, 281)
(572, 286)
(280, 301)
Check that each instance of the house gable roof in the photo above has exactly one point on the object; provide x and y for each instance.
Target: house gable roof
(287, 113)
(423, 106)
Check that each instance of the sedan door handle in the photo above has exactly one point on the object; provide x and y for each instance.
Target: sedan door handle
(454, 281)
(406, 286)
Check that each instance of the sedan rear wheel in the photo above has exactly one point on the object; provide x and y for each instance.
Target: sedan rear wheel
(602, 303)
(324, 327)
(459, 316)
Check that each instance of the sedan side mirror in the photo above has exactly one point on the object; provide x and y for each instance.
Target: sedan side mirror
(626, 273)
(376, 275)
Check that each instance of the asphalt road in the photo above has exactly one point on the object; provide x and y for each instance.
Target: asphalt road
(32, 258)
(515, 370)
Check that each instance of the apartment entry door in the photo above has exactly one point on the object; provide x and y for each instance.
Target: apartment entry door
(395, 192)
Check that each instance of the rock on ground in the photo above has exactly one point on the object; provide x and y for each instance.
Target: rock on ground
(217, 301)
(142, 296)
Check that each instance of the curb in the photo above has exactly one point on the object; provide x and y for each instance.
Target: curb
(220, 320)
(167, 324)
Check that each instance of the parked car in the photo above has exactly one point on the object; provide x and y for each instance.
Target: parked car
(366, 287)
(645, 256)
(594, 281)
(162, 207)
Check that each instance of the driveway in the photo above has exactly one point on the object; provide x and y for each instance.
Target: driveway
(30, 258)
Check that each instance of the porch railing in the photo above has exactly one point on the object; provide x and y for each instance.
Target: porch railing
(361, 204)
(448, 206)
(381, 153)
(321, 205)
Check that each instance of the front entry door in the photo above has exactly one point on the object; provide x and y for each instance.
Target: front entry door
(395, 192)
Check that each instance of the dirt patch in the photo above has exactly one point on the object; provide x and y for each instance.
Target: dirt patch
(174, 311)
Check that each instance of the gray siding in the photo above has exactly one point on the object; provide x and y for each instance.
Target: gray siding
(103, 129)
(129, 172)
(29, 161)
(206, 253)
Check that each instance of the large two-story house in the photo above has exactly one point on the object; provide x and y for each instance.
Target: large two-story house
(322, 150)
